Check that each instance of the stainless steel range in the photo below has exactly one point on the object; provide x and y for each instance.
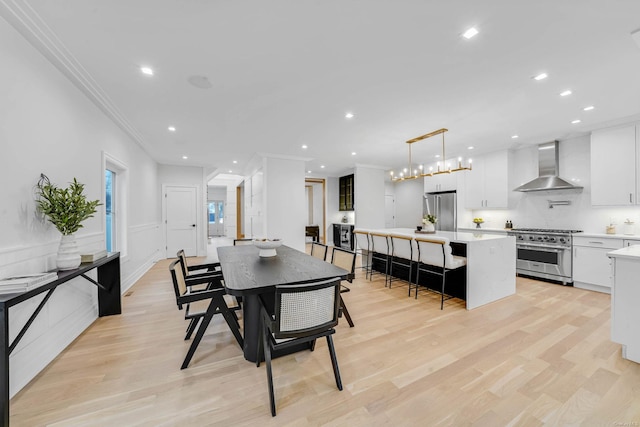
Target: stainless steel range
(544, 253)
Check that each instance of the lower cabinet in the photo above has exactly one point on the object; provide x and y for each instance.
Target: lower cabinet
(591, 266)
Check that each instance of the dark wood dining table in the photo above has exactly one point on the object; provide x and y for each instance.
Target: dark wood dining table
(250, 276)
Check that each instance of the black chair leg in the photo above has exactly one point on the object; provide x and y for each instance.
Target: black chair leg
(346, 312)
(193, 323)
(267, 359)
(203, 327)
(232, 321)
(334, 362)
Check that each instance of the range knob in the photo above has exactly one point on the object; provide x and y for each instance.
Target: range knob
(552, 239)
(539, 238)
(546, 237)
(520, 237)
(562, 240)
(531, 238)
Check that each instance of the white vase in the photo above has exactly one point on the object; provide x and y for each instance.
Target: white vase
(68, 256)
(429, 227)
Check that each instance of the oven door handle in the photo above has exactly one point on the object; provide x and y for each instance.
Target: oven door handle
(542, 248)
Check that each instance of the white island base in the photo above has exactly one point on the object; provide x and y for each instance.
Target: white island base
(625, 295)
(491, 264)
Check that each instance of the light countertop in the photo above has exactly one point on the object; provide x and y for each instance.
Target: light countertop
(632, 252)
(453, 236)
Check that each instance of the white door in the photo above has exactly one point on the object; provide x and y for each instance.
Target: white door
(181, 220)
(389, 211)
(216, 218)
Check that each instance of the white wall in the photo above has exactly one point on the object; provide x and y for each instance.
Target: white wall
(409, 199)
(48, 126)
(369, 195)
(285, 206)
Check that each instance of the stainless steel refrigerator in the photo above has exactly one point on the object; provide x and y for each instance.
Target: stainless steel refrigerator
(442, 204)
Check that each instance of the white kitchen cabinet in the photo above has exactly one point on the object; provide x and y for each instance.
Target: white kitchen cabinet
(614, 162)
(441, 182)
(630, 242)
(591, 266)
(487, 184)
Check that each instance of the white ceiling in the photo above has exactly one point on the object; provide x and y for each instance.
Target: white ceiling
(284, 73)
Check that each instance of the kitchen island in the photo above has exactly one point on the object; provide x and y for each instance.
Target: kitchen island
(491, 263)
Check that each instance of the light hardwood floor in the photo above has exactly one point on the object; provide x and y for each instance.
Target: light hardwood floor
(541, 357)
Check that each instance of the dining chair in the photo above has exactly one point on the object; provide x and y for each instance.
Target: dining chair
(362, 247)
(345, 259)
(217, 305)
(318, 250)
(198, 271)
(435, 257)
(301, 313)
(402, 257)
(380, 251)
(190, 270)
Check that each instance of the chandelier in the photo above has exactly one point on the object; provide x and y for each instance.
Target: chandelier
(411, 173)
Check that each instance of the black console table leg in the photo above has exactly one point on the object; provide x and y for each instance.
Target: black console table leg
(109, 301)
(4, 366)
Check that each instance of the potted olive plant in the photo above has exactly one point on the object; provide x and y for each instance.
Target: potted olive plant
(66, 208)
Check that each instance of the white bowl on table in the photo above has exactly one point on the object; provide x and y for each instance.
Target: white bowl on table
(267, 247)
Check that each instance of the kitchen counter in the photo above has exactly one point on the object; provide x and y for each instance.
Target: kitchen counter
(484, 230)
(491, 263)
(625, 294)
(610, 236)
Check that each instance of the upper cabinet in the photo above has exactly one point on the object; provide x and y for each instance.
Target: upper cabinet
(346, 186)
(487, 184)
(442, 182)
(614, 162)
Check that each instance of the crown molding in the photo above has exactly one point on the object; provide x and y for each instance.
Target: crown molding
(21, 16)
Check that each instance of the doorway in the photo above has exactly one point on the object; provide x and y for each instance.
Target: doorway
(216, 218)
(315, 191)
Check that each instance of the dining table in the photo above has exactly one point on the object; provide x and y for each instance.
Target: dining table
(250, 276)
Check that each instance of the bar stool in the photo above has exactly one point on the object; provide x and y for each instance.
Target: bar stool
(362, 242)
(402, 255)
(380, 251)
(435, 252)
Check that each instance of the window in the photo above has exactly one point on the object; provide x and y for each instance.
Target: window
(115, 187)
(109, 205)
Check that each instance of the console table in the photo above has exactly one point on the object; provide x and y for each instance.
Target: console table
(109, 303)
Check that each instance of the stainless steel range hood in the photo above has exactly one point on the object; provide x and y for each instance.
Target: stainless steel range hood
(548, 178)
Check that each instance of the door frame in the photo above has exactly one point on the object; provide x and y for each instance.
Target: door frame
(324, 204)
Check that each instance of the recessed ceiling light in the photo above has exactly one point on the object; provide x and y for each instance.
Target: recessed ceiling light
(321, 166)
(565, 93)
(230, 171)
(235, 162)
(308, 171)
(515, 136)
(437, 156)
(589, 108)
(146, 70)
(172, 128)
(470, 33)
(576, 121)
(304, 147)
(541, 76)
(184, 157)
(349, 115)
(470, 147)
(353, 153)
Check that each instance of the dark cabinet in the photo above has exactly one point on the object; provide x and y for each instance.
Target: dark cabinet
(346, 193)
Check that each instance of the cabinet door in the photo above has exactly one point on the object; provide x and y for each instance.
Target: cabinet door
(613, 167)
(591, 265)
(474, 185)
(496, 177)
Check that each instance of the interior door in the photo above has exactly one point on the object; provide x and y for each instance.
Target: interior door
(389, 211)
(181, 220)
(216, 218)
